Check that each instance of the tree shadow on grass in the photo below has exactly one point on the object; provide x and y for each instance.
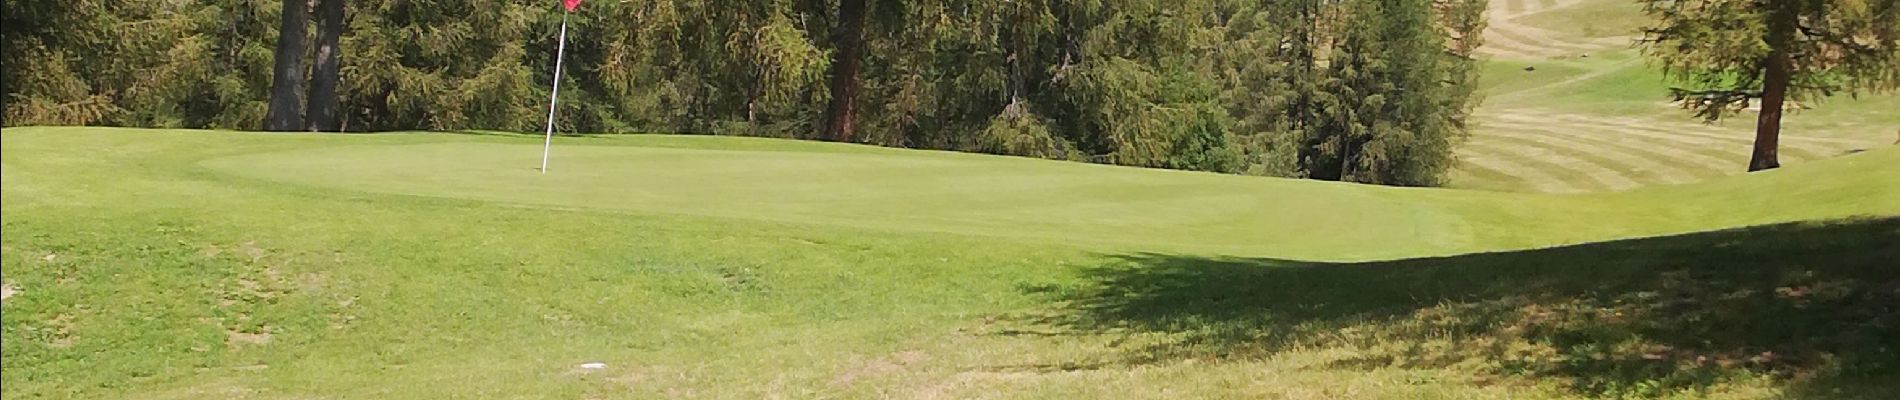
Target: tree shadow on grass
(1813, 308)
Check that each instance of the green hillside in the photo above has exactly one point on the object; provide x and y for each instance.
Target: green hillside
(191, 264)
(1593, 240)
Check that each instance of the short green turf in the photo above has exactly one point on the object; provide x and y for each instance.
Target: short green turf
(194, 264)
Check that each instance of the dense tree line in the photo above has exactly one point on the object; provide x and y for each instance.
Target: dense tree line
(1360, 90)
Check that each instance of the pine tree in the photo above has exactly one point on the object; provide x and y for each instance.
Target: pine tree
(1728, 53)
(1393, 97)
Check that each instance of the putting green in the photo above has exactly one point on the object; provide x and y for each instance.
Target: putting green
(913, 191)
(994, 196)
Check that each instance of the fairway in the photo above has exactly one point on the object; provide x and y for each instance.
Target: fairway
(190, 264)
(1150, 199)
(1572, 107)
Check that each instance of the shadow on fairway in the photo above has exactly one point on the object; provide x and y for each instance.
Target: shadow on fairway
(1815, 306)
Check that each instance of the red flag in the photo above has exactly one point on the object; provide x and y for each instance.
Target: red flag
(571, 4)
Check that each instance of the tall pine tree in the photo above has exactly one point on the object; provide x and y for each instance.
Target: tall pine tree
(1727, 54)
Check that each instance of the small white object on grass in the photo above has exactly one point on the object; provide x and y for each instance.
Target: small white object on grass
(594, 365)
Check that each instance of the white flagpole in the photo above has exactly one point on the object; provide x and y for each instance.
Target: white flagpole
(560, 50)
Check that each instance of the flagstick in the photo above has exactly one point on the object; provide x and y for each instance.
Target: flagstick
(559, 51)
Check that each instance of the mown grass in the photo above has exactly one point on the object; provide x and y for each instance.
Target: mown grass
(1501, 77)
(1622, 86)
(1592, 19)
(189, 264)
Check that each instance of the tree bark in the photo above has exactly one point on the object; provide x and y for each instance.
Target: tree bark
(1013, 40)
(285, 112)
(1777, 70)
(846, 63)
(323, 99)
(1768, 124)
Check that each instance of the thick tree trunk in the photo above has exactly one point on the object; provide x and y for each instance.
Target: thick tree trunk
(1777, 68)
(1768, 124)
(846, 63)
(323, 100)
(285, 112)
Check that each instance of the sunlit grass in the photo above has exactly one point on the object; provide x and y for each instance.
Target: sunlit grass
(188, 264)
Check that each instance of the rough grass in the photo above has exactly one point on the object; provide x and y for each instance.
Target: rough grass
(189, 264)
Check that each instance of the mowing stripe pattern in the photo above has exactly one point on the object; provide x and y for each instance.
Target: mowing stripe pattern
(1556, 152)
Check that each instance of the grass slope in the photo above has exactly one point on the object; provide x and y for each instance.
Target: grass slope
(189, 264)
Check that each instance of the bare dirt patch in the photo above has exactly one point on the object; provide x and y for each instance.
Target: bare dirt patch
(882, 366)
(237, 338)
(59, 331)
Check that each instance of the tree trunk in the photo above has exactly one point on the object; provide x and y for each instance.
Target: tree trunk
(1768, 124)
(752, 96)
(285, 112)
(1781, 31)
(1013, 39)
(847, 60)
(323, 100)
